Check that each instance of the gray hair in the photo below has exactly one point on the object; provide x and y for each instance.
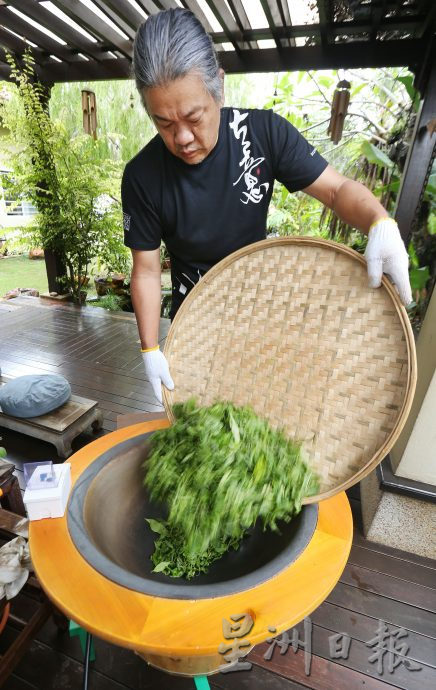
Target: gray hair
(169, 45)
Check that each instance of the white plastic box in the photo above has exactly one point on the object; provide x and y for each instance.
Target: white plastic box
(47, 497)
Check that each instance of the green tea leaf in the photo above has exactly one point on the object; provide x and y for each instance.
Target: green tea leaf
(160, 567)
(156, 526)
(218, 470)
(234, 427)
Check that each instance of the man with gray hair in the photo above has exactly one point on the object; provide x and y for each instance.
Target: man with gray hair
(204, 183)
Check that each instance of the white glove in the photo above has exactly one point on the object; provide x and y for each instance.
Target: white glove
(158, 372)
(386, 253)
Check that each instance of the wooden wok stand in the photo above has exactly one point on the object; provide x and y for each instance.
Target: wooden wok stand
(182, 636)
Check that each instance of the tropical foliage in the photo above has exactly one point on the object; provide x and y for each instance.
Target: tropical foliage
(379, 107)
(74, 186)
(376, 137)
(373, 149)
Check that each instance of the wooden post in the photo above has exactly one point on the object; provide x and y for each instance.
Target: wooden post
(419, 159)
(55, 271)
(54, 266)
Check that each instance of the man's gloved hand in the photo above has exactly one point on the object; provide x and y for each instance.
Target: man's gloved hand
(386, 253)
(157, 370)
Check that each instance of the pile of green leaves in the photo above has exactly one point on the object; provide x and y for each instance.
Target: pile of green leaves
(218, 470)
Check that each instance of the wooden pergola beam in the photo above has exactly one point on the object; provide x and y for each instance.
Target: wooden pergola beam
(227, 21)
(284, 10)
(91, 50)
(241, 18)
(323, 22)
(17, 46)
(230, 36)
(80, 71)
(419, 160)
(102, 31)
(122, 14)
(377, 14)
(96, 52)
(274, 19)
(408, 26)
(41, 15)
(388, 54)
(19, 26)
(428, 22)
(11, 43)
(340, 55)
(324, 53)
(195, 7)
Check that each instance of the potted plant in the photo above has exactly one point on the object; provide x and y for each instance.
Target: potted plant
(165, 261)
(112, 266)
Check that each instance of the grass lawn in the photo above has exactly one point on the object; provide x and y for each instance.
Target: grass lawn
(20, 271)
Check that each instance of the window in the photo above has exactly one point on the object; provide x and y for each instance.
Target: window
(14, 204)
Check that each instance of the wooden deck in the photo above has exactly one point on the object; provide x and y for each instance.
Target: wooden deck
(98, 353)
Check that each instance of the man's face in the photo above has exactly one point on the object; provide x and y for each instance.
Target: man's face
(186, 116)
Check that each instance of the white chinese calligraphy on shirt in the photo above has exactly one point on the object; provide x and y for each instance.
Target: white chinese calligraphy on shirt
(254, 191)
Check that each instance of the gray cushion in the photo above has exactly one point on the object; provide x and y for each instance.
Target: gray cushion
(33, 396)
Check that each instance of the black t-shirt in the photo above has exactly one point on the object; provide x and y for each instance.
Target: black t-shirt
(206, 211)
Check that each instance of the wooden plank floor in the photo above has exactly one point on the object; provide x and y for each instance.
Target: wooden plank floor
(98, 353)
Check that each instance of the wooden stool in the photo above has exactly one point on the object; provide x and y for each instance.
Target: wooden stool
(59, 427)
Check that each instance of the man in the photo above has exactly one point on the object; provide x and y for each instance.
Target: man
(204, 183)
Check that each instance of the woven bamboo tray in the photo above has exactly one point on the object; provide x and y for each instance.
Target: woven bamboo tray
(290, 327)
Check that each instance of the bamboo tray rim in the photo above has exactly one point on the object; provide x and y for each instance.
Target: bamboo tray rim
(386, 285)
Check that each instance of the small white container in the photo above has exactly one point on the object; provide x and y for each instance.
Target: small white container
(49, 502)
